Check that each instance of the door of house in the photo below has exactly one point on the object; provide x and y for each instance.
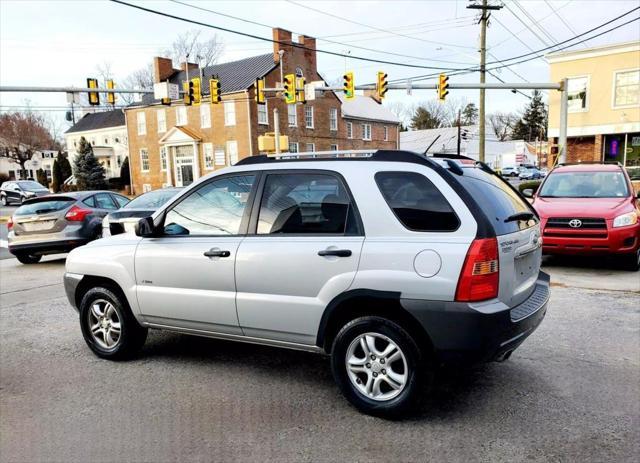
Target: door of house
(183, 165)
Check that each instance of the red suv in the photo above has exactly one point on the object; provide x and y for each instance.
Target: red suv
(589, 209)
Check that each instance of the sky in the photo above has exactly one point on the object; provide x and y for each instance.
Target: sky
(61, 42)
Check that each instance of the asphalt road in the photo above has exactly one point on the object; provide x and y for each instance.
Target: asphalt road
(570, 393)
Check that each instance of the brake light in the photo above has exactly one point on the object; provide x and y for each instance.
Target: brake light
(76, 214)
(10, 223)
(480, 276)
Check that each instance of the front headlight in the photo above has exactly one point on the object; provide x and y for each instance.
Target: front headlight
(105, 227)
(624, 220)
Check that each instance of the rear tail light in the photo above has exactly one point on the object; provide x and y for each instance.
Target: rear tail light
(480, 276)
(10, 223)
(77, 214)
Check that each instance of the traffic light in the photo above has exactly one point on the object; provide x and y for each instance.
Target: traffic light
(166, 101)
(111, 97)
(464, 134)
(214, 90)
(300, 82)
(94, 97)
(260, 99)
(187, 88)
(381, 85)
(196, 96)
(290, 88)
(443, 87)
(349, 86)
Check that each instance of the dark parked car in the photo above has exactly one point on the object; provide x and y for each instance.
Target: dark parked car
(125, 219)
(17, 191)
(58, 223)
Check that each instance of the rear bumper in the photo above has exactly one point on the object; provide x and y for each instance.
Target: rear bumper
(470, 333)
(47, 247)
(623, 240)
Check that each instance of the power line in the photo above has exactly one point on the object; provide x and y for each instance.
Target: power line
(248, 21)
(373, 27)
(466, 71)
(257, 37)
(535, 22)
(556, 12)
(544, 42)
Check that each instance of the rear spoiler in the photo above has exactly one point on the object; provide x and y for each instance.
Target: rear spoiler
(51, 197)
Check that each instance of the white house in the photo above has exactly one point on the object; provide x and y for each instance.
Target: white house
(40, 160)
(107, 133)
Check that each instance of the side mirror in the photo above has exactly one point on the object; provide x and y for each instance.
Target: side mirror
(146, 228)
(527, 193)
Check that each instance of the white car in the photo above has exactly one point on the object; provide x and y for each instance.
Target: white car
(390, 263)
(509, 172)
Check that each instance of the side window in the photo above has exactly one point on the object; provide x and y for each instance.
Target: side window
(120, 200)
(305, 203)
(416, 202)
(104, 201)
(90, 201)
(216, 208)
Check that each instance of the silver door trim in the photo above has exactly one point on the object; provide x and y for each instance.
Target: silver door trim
(240, 338)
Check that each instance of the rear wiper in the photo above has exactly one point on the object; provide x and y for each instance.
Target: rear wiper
(519, 216)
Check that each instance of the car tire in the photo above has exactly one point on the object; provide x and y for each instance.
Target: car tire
(631, 262)
(28, 258)
(108, 325)
(377, 383)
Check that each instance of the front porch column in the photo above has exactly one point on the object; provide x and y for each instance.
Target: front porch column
(196, 162)
(168, 150)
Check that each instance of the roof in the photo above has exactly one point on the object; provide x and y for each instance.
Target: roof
(101, 120)
(235, 76)
(602, 50)
(588, 167)
(447, 139)
(365, 107)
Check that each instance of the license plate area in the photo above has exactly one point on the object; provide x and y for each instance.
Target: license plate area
(38, 226)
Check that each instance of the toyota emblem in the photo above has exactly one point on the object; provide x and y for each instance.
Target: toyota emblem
(575, 223)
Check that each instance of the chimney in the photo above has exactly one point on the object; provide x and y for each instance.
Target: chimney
(309, 50)
(162, 69)
(371, 93)
(193, 67)
(284, 37)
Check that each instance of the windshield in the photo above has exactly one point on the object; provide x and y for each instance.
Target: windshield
(152, 200)
(584, 185)
(30, 185)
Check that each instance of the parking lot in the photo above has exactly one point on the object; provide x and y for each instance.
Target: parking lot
(569, 393)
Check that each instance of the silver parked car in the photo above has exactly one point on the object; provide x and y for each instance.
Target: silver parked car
(390, 263)
(58, 223)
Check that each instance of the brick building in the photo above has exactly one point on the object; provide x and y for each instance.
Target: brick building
(175, 145)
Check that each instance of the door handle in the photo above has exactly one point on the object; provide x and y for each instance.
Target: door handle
(217, 253)
(335, 252)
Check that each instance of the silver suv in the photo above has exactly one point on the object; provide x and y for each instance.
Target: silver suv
(391, 263)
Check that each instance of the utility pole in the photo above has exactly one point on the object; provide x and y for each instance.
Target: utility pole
(459, 134)
(483, 51)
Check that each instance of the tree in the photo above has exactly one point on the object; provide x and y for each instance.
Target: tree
(125, 175)
(469, 114)
(429, 115)
(90, 175)
(534, 121)
(41, 177)
(401, 111)
(502, 124)
(205, 52)
(142, 78)
(60, 172)
(21, 134)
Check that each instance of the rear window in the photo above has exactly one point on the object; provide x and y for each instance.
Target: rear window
(496, 199)
(416, 202)
(44, 207)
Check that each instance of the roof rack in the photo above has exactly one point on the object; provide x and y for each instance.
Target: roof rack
(560, 164)
(341, 155)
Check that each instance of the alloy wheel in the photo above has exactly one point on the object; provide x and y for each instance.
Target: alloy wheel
(104, 324)
(376, 366)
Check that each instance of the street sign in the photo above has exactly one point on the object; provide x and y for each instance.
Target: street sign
(310, 89)
(73, 98)
(166, 90)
